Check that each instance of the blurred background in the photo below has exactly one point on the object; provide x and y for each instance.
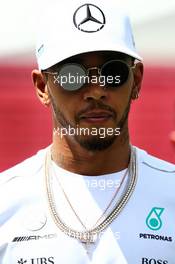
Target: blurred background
(25, 125)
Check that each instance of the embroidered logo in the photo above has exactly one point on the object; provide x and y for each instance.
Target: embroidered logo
(89, 18)
(153, 220)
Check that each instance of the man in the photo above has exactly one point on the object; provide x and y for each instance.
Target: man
(90, 197)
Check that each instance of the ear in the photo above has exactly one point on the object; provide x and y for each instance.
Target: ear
(40, 84)
(138, 77)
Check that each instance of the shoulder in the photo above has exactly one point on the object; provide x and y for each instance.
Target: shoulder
(154, 164)
(26, 168)
(156, 179)
(21, 186)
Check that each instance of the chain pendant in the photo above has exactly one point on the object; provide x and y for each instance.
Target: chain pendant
(88, 240)
(87, 247)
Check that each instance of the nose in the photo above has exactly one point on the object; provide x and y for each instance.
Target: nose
(94, 92)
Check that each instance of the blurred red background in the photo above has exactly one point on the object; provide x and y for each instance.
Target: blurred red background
(25, 125)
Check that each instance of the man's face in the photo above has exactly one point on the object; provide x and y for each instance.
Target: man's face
(97, 110)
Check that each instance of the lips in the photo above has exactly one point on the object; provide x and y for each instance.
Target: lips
(96, 116)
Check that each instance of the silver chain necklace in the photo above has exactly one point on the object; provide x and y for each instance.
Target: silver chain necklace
(90, 236)
(106, 209)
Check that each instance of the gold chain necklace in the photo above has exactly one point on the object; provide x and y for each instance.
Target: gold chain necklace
(90, 236)
(106, 209)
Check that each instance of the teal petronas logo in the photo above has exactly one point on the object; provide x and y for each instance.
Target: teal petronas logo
(153, 220)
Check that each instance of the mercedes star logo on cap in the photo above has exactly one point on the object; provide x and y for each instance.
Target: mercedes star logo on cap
(89, 18)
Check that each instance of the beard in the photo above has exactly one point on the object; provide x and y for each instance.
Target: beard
(92, 142)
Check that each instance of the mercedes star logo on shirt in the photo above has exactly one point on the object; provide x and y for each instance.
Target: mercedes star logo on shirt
(89, 18)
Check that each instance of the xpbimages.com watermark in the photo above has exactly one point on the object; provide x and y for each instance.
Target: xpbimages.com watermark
(88, 237)
(77, 79)
(102, 184)
(102, 132)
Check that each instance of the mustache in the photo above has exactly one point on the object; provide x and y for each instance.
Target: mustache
(94, 106)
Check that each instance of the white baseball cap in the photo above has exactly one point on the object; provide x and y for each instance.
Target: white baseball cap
(71, 27)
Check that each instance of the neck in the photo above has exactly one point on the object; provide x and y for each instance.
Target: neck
(69, 155)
